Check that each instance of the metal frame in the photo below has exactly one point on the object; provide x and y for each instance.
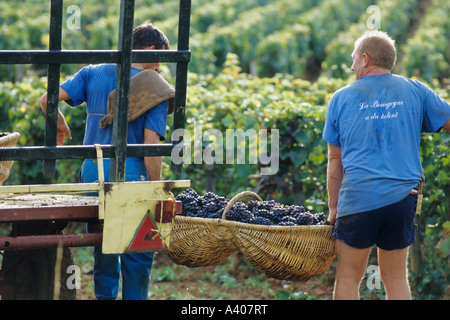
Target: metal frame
(118, 151)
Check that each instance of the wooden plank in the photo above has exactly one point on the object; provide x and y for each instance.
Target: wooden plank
(47, 207)
(13, 201)
(41, 188)
(82, 187)
(49, 213)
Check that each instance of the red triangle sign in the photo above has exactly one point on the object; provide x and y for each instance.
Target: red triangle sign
(146, 237)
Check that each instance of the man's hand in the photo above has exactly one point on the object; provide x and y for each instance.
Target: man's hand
(332, 216)
(63, 130)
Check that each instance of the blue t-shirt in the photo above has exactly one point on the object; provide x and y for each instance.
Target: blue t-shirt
(93, 84)
(377, 121)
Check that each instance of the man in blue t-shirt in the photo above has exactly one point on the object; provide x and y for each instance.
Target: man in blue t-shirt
(373, 130)
(93, 84)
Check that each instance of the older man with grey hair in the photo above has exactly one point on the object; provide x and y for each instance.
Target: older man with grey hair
(373, 130)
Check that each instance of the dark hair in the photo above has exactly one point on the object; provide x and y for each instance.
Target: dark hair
(147, 35)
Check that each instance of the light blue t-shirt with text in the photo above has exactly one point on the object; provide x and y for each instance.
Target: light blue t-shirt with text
(377, 121)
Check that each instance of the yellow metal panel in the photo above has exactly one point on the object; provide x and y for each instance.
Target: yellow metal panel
(126, 205)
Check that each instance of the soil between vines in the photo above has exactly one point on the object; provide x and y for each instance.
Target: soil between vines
(201, 284)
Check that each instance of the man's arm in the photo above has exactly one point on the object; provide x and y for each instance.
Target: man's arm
(446, 126)
(63, 129)
(335, 174)
(152, 164)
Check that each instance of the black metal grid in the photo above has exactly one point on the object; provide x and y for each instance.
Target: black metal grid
(118, 151)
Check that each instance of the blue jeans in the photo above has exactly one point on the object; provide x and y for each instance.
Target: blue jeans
(134, 267)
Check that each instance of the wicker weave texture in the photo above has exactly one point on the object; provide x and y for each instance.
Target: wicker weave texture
(198, 242)
(286, 252)
(294, 253)
(7, 139)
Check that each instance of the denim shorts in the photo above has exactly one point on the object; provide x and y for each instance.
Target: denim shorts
(390, 227)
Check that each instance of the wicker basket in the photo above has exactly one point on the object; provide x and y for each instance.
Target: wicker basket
(7, 140)
(201, 242)
(285, 252)
(281, 252)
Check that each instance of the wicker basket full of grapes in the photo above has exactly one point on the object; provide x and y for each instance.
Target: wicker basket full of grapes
(199, 238)
(284, 242)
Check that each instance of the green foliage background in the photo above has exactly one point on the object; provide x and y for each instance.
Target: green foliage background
(256, 64)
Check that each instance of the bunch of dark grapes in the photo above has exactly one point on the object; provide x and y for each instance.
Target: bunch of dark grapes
(240, 213)
(266, 213)
(209, 205)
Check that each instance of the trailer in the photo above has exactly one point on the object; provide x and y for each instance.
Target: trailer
(135, 216)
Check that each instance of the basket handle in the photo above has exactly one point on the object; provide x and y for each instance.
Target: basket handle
(238, 197)
(9, 139)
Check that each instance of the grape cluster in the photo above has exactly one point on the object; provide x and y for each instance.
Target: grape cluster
(209, 205)
(273, 213)
(266, 213)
